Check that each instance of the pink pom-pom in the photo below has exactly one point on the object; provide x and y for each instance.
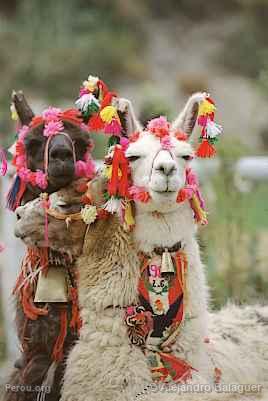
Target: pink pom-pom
(53, 128)
(124, 142)
(20, 161)
(159, 126)
(51, 114)
(85, 169)
(202, 120)
(139, 194)
(83, 91)
(113, 128)
(2, 247)
(24, 174)
(41, 179)
(166, 142)
(23, 132)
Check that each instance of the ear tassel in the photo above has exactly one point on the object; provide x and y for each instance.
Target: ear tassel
(206, 149)
(210, 130)
(15, 193)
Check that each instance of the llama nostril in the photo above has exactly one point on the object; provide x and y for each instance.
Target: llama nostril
(166, 168)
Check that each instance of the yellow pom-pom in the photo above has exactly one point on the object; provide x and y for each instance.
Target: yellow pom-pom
(108, 113)
(89, 214)
(206, 108)
(14, 114)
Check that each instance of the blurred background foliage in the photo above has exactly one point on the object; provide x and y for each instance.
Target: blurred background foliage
(158, 53)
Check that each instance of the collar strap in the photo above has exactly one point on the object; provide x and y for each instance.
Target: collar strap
(175, 248)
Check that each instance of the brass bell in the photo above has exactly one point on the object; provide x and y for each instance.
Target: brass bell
(167, 265)
(52, 286)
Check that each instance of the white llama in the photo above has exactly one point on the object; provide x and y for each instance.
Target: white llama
(228, 347)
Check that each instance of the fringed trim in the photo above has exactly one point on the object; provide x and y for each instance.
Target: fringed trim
(15, 193)
(76, 322)
(57, 353)
(35, 260)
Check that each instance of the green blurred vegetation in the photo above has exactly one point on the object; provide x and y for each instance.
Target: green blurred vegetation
(47, 48)
(236, 238)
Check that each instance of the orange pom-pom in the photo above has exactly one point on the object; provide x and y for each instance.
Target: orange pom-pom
(182, 196)
(206, 149)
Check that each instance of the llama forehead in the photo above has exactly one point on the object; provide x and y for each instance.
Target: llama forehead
(148, 143)
(144, 145)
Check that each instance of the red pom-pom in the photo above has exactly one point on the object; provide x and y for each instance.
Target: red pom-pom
(182, 195)
(206, 149)
(95, 123)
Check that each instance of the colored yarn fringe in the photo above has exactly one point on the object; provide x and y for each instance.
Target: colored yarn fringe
(3, 162)
(210, 130)
(57, 353)
(15, 193)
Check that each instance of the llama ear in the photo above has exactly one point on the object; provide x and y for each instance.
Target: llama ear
(127, 116)
(187, 118)
(22, 107)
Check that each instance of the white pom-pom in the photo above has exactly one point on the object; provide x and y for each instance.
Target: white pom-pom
(213, 129)
(89, 214)
(113, 205)
(85, 100)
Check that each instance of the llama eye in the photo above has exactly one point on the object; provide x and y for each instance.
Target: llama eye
(133, 158)
(187, 157)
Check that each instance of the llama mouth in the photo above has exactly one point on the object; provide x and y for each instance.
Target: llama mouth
(166, 192)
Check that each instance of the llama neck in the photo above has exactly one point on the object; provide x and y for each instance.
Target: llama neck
(165, 231)
(153, 230)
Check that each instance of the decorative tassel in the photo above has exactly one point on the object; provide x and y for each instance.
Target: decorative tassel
(30, 310)
(75, 323)
(112, 205)
(206, 149)
(200, 214)
(108, 113)
(113, 128)
(210, 130)
(15, 193)
(3, 161)
(118, 185)
(57, 353)
(14, 114)
(95, 123)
